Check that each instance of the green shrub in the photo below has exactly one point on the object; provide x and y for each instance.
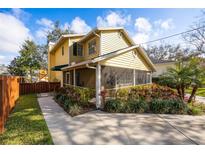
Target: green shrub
(123, 93)
(67, 104)
(173, 106)
(75, 109)
(196, 111)
(146, 92)
(136, 106)
(113, 105)
(85, 94)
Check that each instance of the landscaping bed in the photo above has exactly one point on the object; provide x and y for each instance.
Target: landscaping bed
(26, 124)
(75, 100)
(149, 99)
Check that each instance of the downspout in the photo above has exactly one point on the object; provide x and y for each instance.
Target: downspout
(92, 67)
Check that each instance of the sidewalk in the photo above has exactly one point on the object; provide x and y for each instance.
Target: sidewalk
(99, 127)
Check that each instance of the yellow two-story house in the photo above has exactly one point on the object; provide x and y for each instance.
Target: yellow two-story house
(104, 58)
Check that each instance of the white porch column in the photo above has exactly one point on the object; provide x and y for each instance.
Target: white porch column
(150, 77)
(134, 74)
(98, 85)
(74, 80)
(61, 78)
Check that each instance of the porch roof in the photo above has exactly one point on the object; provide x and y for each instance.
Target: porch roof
(58, 67)
(113, 54)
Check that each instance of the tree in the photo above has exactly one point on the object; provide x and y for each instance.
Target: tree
(52, 36)
(196, 38)
(184, 75)
(14, 68)
(30, 58)
(56, 33)
(198, 75)
(43, 54)
(162, 52)
(178, 77)
(28, 63)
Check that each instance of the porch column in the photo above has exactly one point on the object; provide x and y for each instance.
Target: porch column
(134, 74)
(61, 79)
(98, 86)
(150, 77)
(74, 80)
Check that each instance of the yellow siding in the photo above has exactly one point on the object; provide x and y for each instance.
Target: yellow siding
(114, 40)
(56, 58)
(111, 41)
(59, 58)
(127, 60)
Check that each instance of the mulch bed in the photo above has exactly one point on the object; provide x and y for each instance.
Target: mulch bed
(85, 109)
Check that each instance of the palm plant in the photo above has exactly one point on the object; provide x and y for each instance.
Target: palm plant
(178, 77)
(198, 75)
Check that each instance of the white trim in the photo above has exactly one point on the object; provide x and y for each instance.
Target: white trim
(98, 86)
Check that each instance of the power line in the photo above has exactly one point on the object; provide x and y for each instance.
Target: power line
(163, 38)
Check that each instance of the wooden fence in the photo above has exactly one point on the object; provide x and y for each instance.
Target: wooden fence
(39, 87)
(11, 88)
(9, 93)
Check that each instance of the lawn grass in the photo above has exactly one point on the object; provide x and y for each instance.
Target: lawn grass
(200, 91)
(26, 124)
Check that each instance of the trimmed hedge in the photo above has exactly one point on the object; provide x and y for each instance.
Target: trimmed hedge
(172, 106)
(146, 98)
(146, 92)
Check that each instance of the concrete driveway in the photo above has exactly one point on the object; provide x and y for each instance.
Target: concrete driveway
(103, 128)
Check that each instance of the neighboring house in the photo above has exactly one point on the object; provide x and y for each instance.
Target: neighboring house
(103, 58)
(42, 75)
(3, 70)
(162, 66)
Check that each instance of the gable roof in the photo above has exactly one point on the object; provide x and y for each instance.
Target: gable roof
(98, 29)
(113, 54)
(63, 38)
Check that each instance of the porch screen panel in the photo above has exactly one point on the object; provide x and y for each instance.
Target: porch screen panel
(113, 77)
(116, 77)
(141, 77)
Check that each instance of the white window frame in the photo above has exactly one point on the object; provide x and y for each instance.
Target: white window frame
(94, 39)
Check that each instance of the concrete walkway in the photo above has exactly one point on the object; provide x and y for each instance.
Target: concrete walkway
(102, 128)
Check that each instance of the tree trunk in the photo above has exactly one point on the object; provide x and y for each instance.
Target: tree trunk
(179, 92)
(31, 76)
(192, 93)
(182, 91)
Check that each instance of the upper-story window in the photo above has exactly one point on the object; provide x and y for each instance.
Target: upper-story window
(77, 49)
(62, 50)
(92, 47)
